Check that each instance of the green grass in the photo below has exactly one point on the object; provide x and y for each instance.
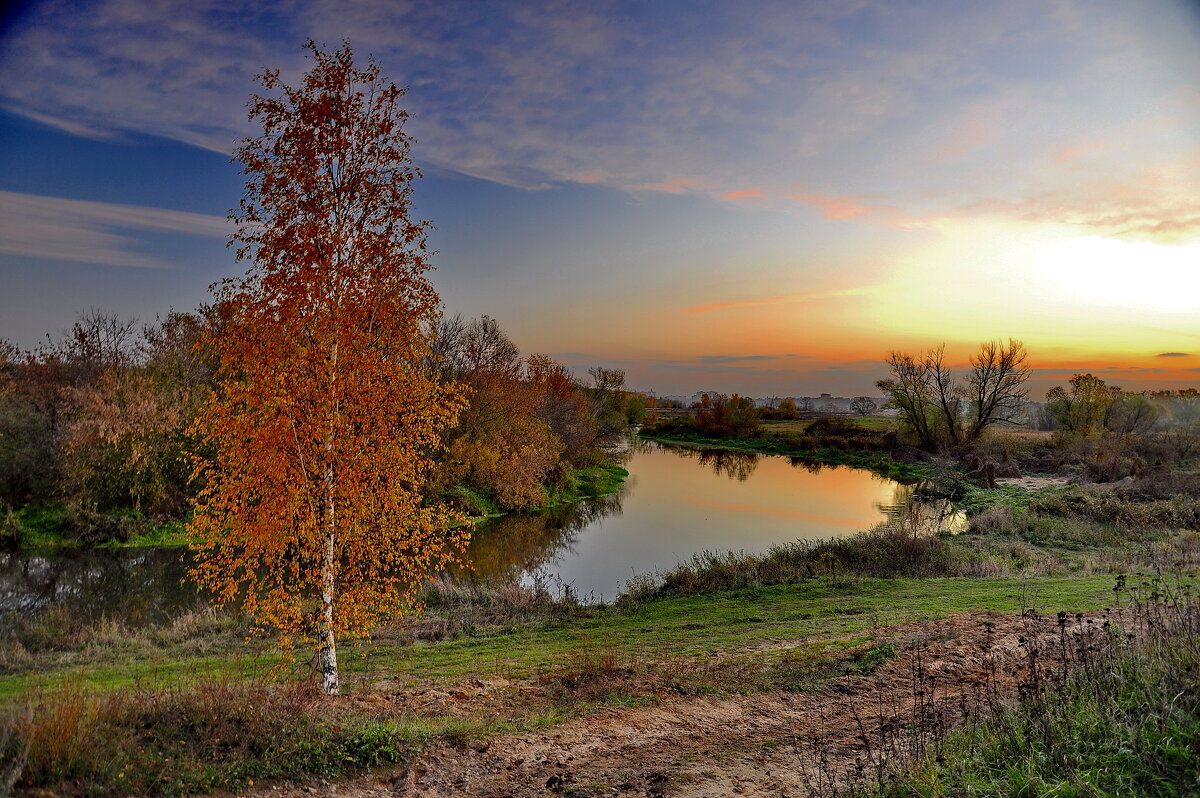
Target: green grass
(44, 528)
(586, 483)
(689, 626)
(800, 425)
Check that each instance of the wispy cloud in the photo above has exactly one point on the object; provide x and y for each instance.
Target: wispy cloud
(734, 358)
(78, 230)
(778, 299)
(534, 94)
(743, 193)
(1173, 354)
(719, 369)
(835, 208)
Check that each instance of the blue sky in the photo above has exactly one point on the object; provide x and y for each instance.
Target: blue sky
(756, 197)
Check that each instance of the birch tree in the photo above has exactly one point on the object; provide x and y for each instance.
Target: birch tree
(326, 408)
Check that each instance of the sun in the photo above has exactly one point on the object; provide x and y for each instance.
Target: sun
(1115, 273)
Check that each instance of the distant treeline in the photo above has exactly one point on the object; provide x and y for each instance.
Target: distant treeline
(97, 421)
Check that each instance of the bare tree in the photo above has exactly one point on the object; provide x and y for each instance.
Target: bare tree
(996, 387)
(910, 392)
(863, 405)
(947, 394)
(932, 402)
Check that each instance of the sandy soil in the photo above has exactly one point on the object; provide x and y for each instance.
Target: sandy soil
(1032, 483)
(777, 744)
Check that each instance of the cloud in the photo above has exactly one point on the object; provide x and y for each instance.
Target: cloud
(734, 358)
(745, 193)
(844, 99)
(718, 369)
(676, 185)
(56, 228)
(835, 208)
(1173, 354)
(778, 299)
(1106, 370)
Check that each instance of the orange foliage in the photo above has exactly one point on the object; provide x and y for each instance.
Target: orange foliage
(326, 411)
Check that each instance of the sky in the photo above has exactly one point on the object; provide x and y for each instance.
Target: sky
(753, 197)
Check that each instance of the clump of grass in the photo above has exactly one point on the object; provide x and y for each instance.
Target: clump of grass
(591, 670)
(886, 551)
(1125, 721)
(470, 501)
(869, 660)
(211, 734)
(1125, 510)
(457, 607)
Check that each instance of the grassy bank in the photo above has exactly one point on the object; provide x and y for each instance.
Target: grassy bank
(47, 528)
(120, 717)
(43, 528)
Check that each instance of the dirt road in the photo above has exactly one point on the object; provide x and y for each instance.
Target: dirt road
(769, 744)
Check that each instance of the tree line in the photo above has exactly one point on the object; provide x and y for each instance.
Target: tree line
(100, 419)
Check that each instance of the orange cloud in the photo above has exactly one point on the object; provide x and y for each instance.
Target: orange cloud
(590, 177)
(836, 208)
(745, 193)
(676, 185)
(778, 299)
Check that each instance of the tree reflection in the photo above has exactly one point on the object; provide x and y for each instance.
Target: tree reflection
(811, 466)
(912, 511)
(137, 586)
(728, 462)
(505, 548)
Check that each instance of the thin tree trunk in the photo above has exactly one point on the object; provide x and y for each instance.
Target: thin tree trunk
(328, 654)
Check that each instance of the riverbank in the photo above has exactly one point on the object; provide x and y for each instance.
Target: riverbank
(504, 685)
(127, 712)
(878, 461)
(75, 701)
(45, 529)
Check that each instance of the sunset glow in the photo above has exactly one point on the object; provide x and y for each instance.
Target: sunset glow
(761, 200)
(1111, 273)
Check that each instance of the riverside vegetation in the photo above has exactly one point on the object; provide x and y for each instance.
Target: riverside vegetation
(104, 708)
(96, 429)
(205, 702)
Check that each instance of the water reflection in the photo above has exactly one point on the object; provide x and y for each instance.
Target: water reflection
(676, 502)
(512, 546)
(728, 462)
(139, 586)
(911, 510)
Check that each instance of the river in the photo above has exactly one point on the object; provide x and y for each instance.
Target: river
(676, 502)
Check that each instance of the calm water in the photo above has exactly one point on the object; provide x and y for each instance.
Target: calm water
(676, 502)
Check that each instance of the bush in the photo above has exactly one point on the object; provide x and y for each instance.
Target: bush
(214, 734)
(882, 552)
(89, 528)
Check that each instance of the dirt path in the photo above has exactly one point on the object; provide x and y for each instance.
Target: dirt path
(790, 744)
